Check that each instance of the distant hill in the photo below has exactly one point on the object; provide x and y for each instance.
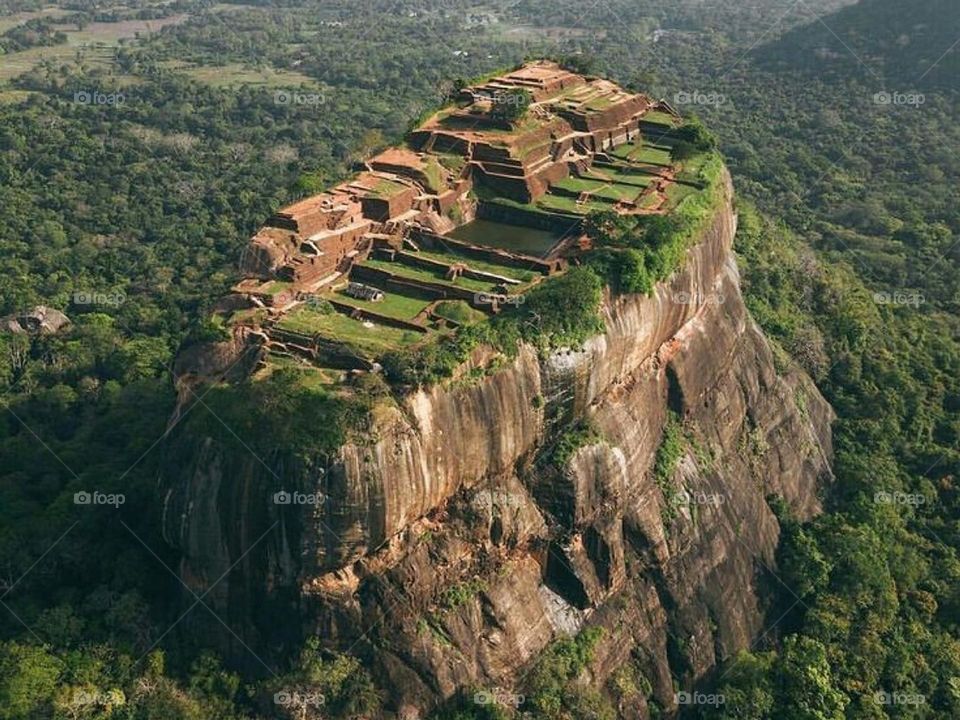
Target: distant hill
(915, 45)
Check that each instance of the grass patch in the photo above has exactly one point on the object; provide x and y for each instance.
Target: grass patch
(580, 435)
(671, 449)
(652, 156)
(659, 117)
(393, 305)
(418, 273)
(569, 204)
(677, 193)
(387, 189)
(236, 74)
(560, 312)
(369, 342)
(276, 287)
(622, 177)
(482, 265)
(459, 312)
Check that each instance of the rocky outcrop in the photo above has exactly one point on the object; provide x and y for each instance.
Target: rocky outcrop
(450, 549)
(39, 320)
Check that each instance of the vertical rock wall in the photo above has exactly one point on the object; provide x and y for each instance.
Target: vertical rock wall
(450, 554)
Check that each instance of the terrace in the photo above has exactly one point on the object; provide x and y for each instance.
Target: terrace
(395, 230)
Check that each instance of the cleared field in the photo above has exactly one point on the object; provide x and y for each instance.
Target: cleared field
(401, 307)
(416, 273)
(577, 184)
(617, 191)
(235, 74)
(8, 22)
(14, 96)
(368, 340)
(94, 44)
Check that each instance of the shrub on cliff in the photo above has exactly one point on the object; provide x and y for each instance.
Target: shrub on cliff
(280, 412)
(692, 138)
(553, 691)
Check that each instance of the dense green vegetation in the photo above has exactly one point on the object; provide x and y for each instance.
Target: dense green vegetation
(561, 312)
(870, 587)
(634, 253)
(144, 206)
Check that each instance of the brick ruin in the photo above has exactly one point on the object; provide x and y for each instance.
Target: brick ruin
(416, 194)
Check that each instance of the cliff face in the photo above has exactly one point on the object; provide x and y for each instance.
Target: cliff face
(450, 554)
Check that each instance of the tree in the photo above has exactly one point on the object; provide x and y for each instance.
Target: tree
(510, 105)
(28, 680)
(807, 690)
(748, 692)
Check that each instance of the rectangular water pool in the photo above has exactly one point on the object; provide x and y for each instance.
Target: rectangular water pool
(515, 238)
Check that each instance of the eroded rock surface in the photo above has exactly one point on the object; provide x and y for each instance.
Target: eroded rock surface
(450, 555)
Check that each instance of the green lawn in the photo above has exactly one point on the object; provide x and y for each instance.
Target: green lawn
(417, 273)
(617, 174)
(482, 265)
(676, 193)
(600, 188)
(569, 205)
(276, 287)
(617, 191)
(401, 307)
(652, 155)
(578, 185)
(656, 116)
(458, 311)
(645, 153)
(387, 188)
(235, 74)
(365, 341)
(624, 151)
(434, 175)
